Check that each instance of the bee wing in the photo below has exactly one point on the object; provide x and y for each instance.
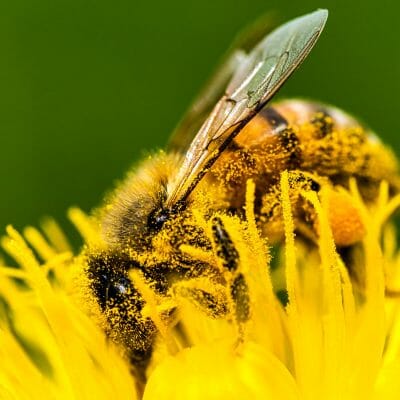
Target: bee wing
(214, 89)
(256, 79)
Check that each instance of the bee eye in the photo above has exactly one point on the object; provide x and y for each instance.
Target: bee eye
(315, 186)
(121, 286)
(108, 274)
(157, 219)
(112, 287)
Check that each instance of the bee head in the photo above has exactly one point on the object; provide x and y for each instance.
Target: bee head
(136, 211)
(119, 300)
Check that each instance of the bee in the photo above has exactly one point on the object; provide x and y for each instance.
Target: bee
(231, 134)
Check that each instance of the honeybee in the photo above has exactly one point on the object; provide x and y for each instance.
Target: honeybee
(230, 135)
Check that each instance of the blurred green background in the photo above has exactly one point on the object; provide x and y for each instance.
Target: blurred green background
(87, 86)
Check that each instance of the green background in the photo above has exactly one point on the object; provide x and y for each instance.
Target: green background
(87, 86)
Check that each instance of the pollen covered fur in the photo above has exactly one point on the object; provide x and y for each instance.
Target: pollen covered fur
(321, 146)
(125, 215)
(156, 257)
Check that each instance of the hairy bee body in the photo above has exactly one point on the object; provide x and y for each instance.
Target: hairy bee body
(179, 199)
(322, 141)
(319, 145)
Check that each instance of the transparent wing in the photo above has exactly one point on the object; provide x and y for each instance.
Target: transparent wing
(195, 116)
(214, 89)
(256, 79)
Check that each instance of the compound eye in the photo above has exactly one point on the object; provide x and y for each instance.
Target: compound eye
(112, 288)
(109, 278)
(158, 218)
(120, 286)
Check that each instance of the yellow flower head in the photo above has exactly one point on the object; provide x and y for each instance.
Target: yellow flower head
(329, 333)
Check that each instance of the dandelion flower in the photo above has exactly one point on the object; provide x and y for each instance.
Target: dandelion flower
(332, 336)
(49, 349)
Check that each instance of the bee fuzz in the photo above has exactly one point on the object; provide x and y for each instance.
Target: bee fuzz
(344, 218)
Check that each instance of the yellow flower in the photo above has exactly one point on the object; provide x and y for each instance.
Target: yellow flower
(49, 349)
(329, 333)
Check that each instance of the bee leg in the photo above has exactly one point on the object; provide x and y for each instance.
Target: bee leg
(226, 250)
(303, 213)
(239, 291)
(241, 298)
(212, 302)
